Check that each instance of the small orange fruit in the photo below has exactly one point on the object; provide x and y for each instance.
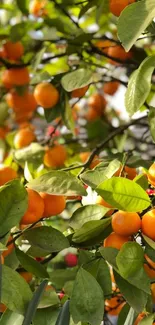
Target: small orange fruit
(114, 305)
(148, 224)
(35, 208)
(117, 6)
(126, 223)
(10, 248)
(3, 132)
(26, 275)
(53, 204)
(15, 77)
(153, 292)
(150, 267)
(55, 156)
(46, 95)
(116, 241)
(23, 138)
(110, 88)
(21, 103)
(93, 114)
(104, 45)
(2, 308)
(37, 7)
(77, 93)
(14, 51)
(85, 155)
(105, 204)
(97, 102)
(127, 172)
(7, 174)
(118, 52)
(22, 117)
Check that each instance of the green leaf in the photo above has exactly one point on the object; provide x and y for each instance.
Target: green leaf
(110, 255)
(130, 259)
(34, 304)
(101, 173)
(18, 31)
(11, 318)
(67, 115)
(76, 79)
(130, 317)
(88, 6)
(14, 201)
(123, 315)
(46, 316)
(142, 181)
(149, 241)
(58, 183)
(23, 6)
(85, 257)
(83, 306)
(46, 238)
(64, 315)
(37, 59)
(151, 118)
(135, 297)
(3, 112)
(87, 213)
(30, 265)
(139, 85)
(90, 230)
(12, 261)
(124, 194)
(100, 270)
(133, 23)
(147, 320)
(60, 277)
(33, 153)
(17, 294)
(53, 113)
(49, 299)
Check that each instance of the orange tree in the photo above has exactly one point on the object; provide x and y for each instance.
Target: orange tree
(77, 175)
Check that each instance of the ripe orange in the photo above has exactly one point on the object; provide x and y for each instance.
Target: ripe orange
(15, 77)
(23, 138)
(148, 224)
(75, 110)
(126, 223)
(118, 52)
(46, 95)
(97, 102)
(151, 174)
(117, 6)
(55, 156)
(7, 174)
(110, 88)
(114, 305)
(26, 275)
(3, 132)
(127, 172)
(116, 241)
(37, 7)
(10, 248)
(2, 308)
(104, 45)
(22, 117)
(35, 208)
(21, 103)
(53, 204)
(77, 93)
(2, 54)
(85, 155)
(153, 292)
(105, 204)
(92, 114)
(14, 51)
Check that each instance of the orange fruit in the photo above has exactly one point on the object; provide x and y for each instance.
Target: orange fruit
(10, 248)
(14, 51)
(92, 114)
(7, 174)
(22, 117)
(105, 204)
(153, 292)
(53, 204)
(117, 6)
(148, 224)
(55, 156)
(116, 241)
(127, 172)
(26, 275)
(46, 95)
(110, 88)
(150, 267)
(35, 208)
(77, 93)
(37, 7)
(2, 308)
(23, 138)
(126, 223)
(104, 45)
(118, 52)
(3, 132)
(114, 305)
(21, 103)
(151, 174)
(97, 102)
(15, 77)
(85, 155)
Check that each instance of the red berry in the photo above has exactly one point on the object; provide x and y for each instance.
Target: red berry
(71, 260)
(150, 192)
(61, 295)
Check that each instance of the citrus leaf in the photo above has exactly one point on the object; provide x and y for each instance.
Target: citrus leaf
(11, 318)
(64, 315)
(76, 79)
(46, 316)
(124, 194)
